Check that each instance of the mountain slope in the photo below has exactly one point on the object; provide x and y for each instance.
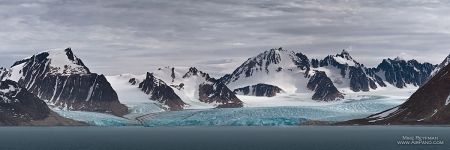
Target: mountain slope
(20, 107)
(62, 79)
(428, 105)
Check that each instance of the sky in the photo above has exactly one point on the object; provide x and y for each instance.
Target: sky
(135, 36)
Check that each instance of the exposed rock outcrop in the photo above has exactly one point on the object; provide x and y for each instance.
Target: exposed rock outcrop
(323, 87)
(259, 90)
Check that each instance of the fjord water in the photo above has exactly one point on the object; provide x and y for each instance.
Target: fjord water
(219, 138)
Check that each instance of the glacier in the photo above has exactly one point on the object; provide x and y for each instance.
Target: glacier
(274, 116)
(290, 110)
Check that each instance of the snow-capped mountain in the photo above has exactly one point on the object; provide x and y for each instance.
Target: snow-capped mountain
(61, 78)
(428, 105)
(184, 88)
(292, 73)
(280, 69)
(20, 107)
(402, 73)
(276, 67)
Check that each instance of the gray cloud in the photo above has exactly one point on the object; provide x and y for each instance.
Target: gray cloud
(115, 36)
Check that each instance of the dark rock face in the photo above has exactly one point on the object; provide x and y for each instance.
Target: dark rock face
(399, 72)
(133, 81)
(18, 105)
(428, 105)
(71, 86)
(302, 61)
(219, 93)
(161, 92)
(323, 87)
(214, 91)
(361, 81)
(259, 90)
(3, 73)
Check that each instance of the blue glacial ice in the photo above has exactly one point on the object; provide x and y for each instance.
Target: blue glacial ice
(273, 116)
(148, 115)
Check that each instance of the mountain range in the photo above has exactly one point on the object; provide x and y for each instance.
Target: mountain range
(278, 70)
(62, 80)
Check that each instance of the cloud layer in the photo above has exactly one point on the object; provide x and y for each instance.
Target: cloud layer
(116, 36)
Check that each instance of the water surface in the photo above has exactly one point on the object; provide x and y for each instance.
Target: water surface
(218, 138)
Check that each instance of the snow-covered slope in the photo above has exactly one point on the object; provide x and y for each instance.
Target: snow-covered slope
(131, 96)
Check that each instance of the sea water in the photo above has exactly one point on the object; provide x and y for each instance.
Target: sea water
(226, 138)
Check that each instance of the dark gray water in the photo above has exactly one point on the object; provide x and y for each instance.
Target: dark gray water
(221, 138)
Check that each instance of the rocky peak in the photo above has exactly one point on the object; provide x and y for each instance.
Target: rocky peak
(63, 62)
(398, 58)
(150, 76)
(195, 72)
(271, 56)
(341, 60)
(345, 54)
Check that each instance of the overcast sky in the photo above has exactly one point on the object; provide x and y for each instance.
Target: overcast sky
(120, 36)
